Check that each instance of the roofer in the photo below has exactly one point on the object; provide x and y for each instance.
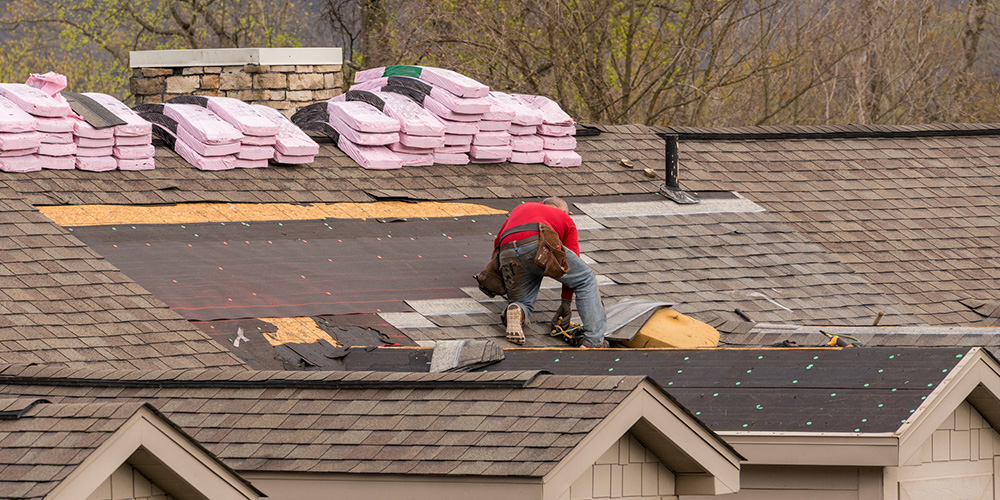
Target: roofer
(527, 227)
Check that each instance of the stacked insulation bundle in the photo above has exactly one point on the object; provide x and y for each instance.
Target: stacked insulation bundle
(291, 145)
(357, 128)
(420, 132)
(556, 131)
(26, 113)
(455, 99)
(132, 145)
(198, 135)
(522, 123)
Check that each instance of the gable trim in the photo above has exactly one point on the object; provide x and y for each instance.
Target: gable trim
(701, 462)
(203, 475)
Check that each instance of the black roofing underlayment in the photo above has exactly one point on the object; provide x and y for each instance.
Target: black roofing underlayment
(211, 271)
(799, 389)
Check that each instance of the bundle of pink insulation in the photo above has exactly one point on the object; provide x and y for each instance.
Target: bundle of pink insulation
(29, 116)
(357, 128)
(132, 142)
(480, 126)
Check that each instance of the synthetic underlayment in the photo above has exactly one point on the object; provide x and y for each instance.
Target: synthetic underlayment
(230, 270)
(853, 390)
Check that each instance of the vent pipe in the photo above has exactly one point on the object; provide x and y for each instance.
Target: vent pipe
(671, 188)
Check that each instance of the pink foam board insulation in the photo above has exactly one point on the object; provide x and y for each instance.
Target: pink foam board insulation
(362, 138)
(15, 119)
(562, 159)
(451, 158)
(202, 123)
(63, 138)
(19, 152)
(556, 130)
(93, 152)
(246, 163)
(255, 153)
(192, 142)
(421, 141)
(293, 159)
(259, 140)
(493, 126)
(370, 157)
(497, 153)
(527, 157)
(567, 143)
(96, 163)
(241, 115)
(401, 148)
(523, 113)
(552, 114)
(134, 125)
(133, 152)
(33, 100)
(453, 82)
(468, 105)
(57, 149)
(491, 139)
(204, 162)
(461, 128)
(291, 141)
(61, 125)
(526, 143)
(30, 163)
(413, 119)
(516, 129)
(457, 140)
(412, 160)
(134, 140)
(442, 111)
(19, 140)
(58, 162)
(453, 149)
(500, 110)
(85, 142)
(362, 117)
(136, 164)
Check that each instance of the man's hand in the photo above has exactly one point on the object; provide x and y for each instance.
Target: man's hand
(562, 314)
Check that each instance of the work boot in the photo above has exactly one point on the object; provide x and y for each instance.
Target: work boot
(515, 322)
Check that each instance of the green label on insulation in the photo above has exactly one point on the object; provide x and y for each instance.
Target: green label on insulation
(411, 71)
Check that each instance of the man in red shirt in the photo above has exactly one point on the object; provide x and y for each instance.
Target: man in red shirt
(523, 278)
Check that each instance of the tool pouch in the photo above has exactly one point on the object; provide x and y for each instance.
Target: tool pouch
(490, 280)
(551, 254)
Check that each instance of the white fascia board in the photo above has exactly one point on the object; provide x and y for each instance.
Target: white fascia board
(834, 448)
(236, 57)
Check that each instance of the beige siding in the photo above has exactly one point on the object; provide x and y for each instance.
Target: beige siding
(127, 483)
(957, 462)
(788, 482)
(626, 471)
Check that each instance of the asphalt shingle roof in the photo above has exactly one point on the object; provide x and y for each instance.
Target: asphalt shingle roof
(502, 423)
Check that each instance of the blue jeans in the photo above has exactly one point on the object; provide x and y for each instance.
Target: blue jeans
(527, 279)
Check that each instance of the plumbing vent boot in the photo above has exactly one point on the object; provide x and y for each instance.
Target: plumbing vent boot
(670, 188)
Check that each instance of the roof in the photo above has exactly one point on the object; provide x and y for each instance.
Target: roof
(492, 424)
(43, 443)
(801, 226)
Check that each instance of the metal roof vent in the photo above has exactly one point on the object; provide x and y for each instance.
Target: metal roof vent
(670, 188)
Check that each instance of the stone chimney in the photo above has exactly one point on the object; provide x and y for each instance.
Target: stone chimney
(285, 79)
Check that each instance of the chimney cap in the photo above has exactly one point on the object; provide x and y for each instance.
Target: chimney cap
(236, 57)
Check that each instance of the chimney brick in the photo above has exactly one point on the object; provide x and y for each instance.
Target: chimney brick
(301, 76)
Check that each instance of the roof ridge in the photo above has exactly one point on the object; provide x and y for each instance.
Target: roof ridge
(830, 131)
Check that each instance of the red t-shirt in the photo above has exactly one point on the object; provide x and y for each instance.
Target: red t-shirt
(558, 220)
